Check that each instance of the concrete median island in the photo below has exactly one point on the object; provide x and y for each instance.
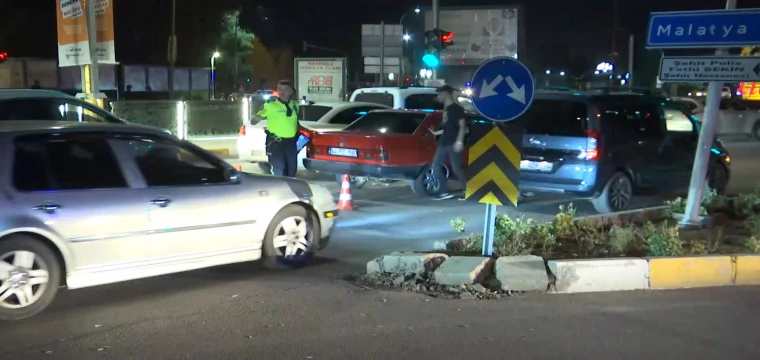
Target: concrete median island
(636, 250)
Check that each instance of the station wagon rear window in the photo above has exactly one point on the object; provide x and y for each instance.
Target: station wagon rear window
(556, 118)
(388, 123)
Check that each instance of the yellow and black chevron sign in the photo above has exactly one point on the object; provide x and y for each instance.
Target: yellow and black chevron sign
(493, 171)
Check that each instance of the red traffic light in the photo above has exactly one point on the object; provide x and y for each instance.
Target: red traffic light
(447, 36)
(406, 79)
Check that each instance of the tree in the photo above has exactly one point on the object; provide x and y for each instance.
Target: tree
(235, 40)
(283, 62)
(263, 68)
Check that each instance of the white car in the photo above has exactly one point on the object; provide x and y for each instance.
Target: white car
(735, 118)
(403, 97)
(323, 117)
(89, 204)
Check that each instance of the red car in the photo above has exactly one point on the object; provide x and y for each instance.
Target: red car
(384, 144)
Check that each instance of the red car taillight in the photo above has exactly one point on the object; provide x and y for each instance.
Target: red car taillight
(592, 144)
(242, 130)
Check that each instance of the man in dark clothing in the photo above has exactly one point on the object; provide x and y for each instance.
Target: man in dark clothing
(451, 141)
(36, 85)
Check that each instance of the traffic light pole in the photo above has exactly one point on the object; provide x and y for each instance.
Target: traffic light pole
(435, 27)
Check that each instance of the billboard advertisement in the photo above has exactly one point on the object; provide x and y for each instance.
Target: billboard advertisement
(73, 45)
(479, 34)
(73, 37)
(321, 80)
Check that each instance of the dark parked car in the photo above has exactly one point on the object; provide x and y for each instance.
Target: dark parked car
(605, 146)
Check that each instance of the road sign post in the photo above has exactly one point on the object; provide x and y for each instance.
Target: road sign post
(704, 29)
(502, 91)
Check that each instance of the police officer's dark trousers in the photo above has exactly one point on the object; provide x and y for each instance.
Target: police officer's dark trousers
(282, 155)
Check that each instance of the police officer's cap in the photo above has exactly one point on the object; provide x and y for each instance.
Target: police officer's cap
(285, 83)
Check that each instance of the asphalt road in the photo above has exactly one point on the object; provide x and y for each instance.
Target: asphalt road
(239, 312)
(243, 312)
(391, 217)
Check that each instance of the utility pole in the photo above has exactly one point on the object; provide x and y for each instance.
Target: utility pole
(705, 142)
(630, 61)
(90, 73)
(172, 53)
(382, 53)
(435, 28)
(613, 55)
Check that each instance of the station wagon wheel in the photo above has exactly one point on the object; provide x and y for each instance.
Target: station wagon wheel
(717, 178)
(291, 238)
(616, 195)
(29, 277)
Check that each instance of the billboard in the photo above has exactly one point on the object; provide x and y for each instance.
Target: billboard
(479, 34)
(321, 80)
(73, 37)
(73, 45)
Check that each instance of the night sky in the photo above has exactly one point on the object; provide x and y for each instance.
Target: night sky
(557, 31)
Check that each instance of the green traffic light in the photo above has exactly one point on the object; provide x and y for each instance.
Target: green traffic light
(431, 60)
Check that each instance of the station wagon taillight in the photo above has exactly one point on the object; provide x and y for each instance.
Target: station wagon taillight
(242, 130)
(592, 145)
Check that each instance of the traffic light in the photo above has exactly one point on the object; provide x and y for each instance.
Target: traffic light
(447, 39)
(431, 60)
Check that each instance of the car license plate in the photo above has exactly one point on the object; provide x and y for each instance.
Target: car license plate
(542, 166)
(257, 153)
(343, 152)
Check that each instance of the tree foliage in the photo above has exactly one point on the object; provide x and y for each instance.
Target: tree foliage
(234, 40)
(264, 66)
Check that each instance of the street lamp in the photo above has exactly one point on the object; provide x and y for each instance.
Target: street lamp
(214, 56)
(406, 38)
(561, 73)
(548, 72)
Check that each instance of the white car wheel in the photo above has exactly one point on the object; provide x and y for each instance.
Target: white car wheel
(291, 238)
(29, 277)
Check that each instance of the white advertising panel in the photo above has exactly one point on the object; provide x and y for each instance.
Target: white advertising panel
(479, 34)
(321, 80)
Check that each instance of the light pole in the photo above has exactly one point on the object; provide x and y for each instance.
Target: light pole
(173, 47)
(406, 38)
(214, 56)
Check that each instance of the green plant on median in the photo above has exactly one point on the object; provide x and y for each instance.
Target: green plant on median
(747, 204)
(662, 240)
(620, 238)
(752, 245)
(459, 224)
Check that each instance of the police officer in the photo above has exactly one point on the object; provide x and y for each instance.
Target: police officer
(282, 129)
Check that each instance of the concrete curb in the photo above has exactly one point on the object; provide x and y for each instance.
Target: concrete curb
(595, 275)
(613, 274)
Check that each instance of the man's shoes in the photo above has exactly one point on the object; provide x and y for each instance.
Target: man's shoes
(444, 196)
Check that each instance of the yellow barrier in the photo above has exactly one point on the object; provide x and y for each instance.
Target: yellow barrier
(691, 272)
(747, 269)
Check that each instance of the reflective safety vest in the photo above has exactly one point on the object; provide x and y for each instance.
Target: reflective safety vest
(278, 121)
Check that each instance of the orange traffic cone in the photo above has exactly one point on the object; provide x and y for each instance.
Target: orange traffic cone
(345, 202)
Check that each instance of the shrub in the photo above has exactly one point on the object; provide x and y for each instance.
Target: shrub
(620, 238)
(663, 240)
